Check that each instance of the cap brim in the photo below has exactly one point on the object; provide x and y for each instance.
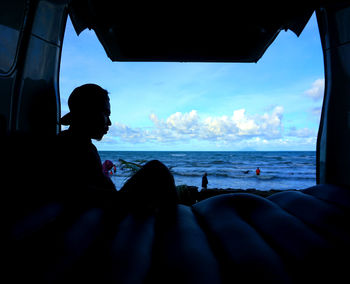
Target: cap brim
(66, 119)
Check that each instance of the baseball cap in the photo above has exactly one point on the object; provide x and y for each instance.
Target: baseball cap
(88, 97)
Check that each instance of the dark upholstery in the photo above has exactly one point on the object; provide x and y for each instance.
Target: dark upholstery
(290, 237)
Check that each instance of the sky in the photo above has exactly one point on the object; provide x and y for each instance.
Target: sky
(272, 105)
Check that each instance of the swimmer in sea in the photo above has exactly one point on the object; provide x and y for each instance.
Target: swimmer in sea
(257, 171)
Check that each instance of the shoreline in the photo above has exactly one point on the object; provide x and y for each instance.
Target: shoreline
(189, 195)
(262, 193)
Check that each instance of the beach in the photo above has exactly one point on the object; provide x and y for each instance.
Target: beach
(189, 195)
(227, 171)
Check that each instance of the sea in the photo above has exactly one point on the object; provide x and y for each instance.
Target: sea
(279, 170)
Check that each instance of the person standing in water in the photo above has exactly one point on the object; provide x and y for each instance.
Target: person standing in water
(257, 171)
(204, 181)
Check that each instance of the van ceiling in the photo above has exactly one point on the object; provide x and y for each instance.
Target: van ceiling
(206, 32)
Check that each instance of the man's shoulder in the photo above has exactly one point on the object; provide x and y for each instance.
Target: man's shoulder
(67, 137)
(64, 135)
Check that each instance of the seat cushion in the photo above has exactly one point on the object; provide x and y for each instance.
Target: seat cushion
(299, 236)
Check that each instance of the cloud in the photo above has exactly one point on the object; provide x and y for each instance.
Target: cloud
(186, 126)
(187, 123)
(316, 111)
(126, 133)
(317, 90)
(301, 133)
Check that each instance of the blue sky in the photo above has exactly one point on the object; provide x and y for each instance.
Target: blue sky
(270, 105)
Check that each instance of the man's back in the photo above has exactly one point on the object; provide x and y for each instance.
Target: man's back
(79, 163)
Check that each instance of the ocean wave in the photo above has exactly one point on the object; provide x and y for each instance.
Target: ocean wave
(225, 169)
(267, 177)
(200, 165)
(217, 162)
(285, 163)
(242, 176)
(279, 158)
(188, 174)
(304, 164)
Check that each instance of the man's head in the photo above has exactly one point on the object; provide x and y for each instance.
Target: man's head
(89, 111)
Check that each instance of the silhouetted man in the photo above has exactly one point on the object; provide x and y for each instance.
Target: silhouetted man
(78, 160)
(151, 187)
(204, 181)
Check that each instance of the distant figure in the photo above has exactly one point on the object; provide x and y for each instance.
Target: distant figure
(257, 171)
(79, 162)
(246, 172)
(204, 181)
(107, 168)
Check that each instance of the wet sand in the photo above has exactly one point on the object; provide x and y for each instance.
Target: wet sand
(190, 194)
(216, 191)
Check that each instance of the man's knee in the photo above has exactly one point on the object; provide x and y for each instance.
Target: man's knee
(154, 164)
(156, 167)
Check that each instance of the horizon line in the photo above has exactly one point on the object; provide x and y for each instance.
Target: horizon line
(206, 150)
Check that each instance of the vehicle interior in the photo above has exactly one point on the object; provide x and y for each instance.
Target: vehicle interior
(56, 236)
